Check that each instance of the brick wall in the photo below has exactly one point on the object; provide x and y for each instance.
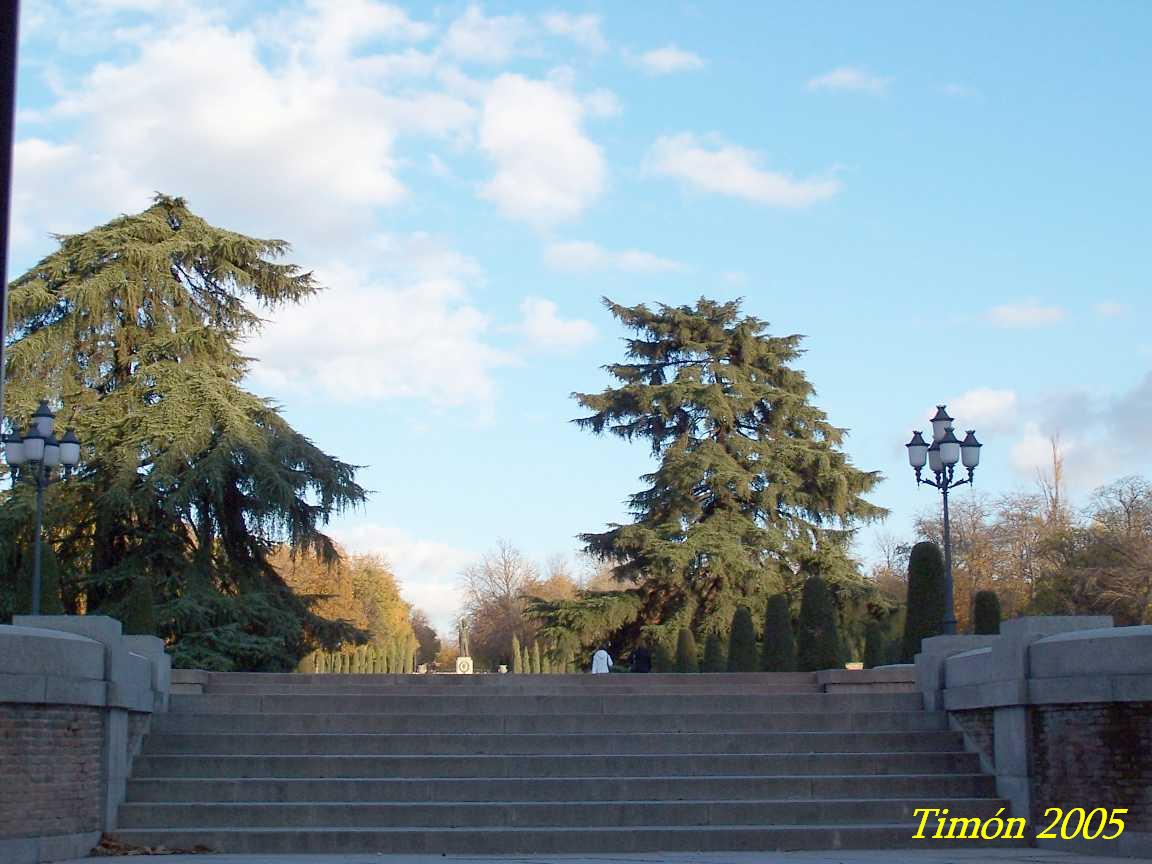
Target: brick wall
(50, 769)
(1094, 755)
(979, 732)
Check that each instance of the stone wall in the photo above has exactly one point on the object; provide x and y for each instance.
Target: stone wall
(76, 699)
(1060, 709)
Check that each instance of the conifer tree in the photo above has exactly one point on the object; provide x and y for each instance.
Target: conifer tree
(516, 664)
(663, 659)
(926, 597)
(986, 613)
(134, 331)
(686, 657)
(818, 638)
(779, 649)
(875, 646)
(751, 487)
(714, 657)
(537, 669)
(742, 642)
(526, 660)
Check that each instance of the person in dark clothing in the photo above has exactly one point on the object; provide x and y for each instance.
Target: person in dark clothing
(641, 659)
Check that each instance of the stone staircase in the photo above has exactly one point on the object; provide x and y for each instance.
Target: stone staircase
(491, 764)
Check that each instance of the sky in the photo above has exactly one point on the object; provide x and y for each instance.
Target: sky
(950, 202)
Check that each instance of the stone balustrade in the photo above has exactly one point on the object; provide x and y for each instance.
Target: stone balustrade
(76, 699)
(1060, 710)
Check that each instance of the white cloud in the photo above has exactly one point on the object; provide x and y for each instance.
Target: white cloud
(547, 170)
(581, 256)
(1030, 313)
(408, 334)
(663, 61)
(1111, 309)
(428, 571)
(850, 79)
(958, 91)
(1101, 437)
(602, 103)
(546, 330)
(584, 30)
(486, 40)
(712, 165)
(985, 408)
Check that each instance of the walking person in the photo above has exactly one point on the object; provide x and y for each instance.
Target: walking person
(601, 661)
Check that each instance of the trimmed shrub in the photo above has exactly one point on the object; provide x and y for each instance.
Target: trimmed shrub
(779, 648)
(818, 638)
(986, 613)
(140, 615)
(926, 598)
(715, 660)
(742, 642)
(662, 658)
(536, 666)
(516, 659)
(875, 645)
(686, 655)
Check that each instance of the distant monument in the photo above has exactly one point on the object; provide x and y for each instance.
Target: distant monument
(464, 661)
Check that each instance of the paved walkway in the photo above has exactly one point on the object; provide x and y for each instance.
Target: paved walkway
(878, 856)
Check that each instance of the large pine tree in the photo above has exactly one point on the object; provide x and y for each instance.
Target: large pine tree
(134, 331)
(752, 491)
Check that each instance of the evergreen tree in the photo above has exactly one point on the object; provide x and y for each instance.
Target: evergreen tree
(686, 657)
(536, 667)
(134, 330)
(779, 648)
(662, 658)
(875, 645)
(140, 615)
(516, 665)
(986, 613)
(818, 639)
(742, 642)
(526, 660)
(752, 486)
(714, 658)
(926, 597)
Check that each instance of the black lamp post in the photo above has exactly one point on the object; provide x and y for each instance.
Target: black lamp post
(34, 458)
(941, 457)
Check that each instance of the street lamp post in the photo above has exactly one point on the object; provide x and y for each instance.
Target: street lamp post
(941, 457)
(34, 458)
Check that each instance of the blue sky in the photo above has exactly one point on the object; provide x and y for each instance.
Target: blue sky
(950, 202)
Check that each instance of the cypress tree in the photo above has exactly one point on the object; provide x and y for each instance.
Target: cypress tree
(536, 667)
(751, 483)
(135, 333)
(686, 657)
(986, 613)
(714, 657)
(517, 667)
(139, 614)
(526, 660)
(875, 645)
(742, 642)
(818, 638)
(779, 649)
(662, 658)
(926, 600)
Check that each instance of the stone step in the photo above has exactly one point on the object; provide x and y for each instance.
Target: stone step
(865, 721)
(543, 841)
(698, 688)
(531, 814)
(926, 787)
(568, 744)
(576, 680)
(487, 703)
(590, 765)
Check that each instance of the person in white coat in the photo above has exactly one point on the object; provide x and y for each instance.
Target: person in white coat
(601, 661)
